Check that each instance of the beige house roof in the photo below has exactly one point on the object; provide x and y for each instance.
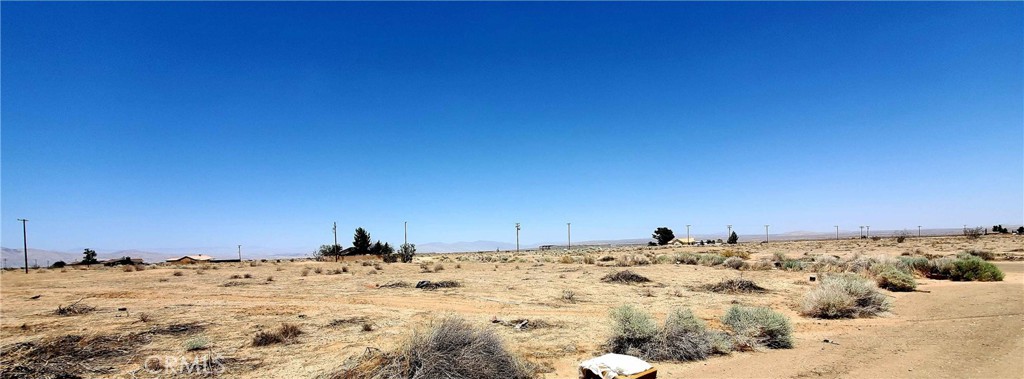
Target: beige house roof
(681, 241)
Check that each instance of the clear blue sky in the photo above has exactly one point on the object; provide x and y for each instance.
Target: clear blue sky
(156, 125)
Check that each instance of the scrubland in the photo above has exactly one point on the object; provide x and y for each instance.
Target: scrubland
(926, 307)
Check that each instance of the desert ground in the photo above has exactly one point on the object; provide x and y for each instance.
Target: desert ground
(944, 329)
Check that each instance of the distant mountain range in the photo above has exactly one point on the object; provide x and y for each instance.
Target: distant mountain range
(14, 257)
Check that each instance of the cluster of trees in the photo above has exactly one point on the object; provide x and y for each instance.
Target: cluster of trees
(361, 245)
(1001, 229)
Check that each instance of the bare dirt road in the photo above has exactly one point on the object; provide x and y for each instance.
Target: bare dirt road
(954, 330)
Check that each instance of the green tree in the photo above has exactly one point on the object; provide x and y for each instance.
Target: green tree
(733, 238)
(406, 252)
(90, 257)
(377, 248)
(329, 251)
(663, 235)
(1020, 230)
(361, 241)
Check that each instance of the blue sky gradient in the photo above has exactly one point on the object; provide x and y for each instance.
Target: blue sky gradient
(160, 125)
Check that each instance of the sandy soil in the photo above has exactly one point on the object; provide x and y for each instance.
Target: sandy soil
(947, 329)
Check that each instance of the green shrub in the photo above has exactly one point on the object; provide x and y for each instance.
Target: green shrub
(973, 268)
(197, 343)
(683, 337)
(760, 326)
(687, 258)
(633, 331)
(792, 265)
(895, 280)
(844, 296)
(964, 268)
(917, 265)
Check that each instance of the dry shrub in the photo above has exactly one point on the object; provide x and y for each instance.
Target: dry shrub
(632, 260)
(178, 273)
(736, 253)
(625, 276)
(734, 263)
(305, 271)
(235, 276)
(760, 265)
(895, 280)
(451, 349)
(826, 263)
(285, 333)
(395, 284)
(757, 327)
(845, 296)
(710, 259)
(247, 276)
(985, 255)
(429, 285)
(683, 337)
(74, 309)
(128, 268)
(64, 356)
(734, 286)
(687, 258)
(569, 296)
(318, 270)
(348, 321)
(566, 259)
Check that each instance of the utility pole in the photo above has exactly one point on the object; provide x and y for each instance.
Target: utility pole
(919, 231)
(335, 229)
(837, 232)
(405, 226)
(688, 234)
(239, 253)
(568, 226)
(517, 237)
(25, 239)
(766, 233)
(862, 231)
(729, 234)
(869, 231)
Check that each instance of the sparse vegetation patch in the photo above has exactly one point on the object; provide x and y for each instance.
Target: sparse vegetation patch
(625, 276)
(734, 286)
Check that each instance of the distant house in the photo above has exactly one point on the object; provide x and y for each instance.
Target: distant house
(681, 241)
(190, 259)
(546, 247)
